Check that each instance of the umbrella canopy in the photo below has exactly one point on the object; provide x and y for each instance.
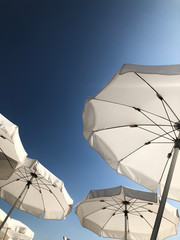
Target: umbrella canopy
(131, 123)
(12, 153)
(107, 211)
(14, 229)
(34, 189)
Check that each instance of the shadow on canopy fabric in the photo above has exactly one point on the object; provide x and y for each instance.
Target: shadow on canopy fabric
(125, 213)
(34, 189)
(12, 153)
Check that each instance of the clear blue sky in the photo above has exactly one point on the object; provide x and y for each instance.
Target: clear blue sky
(54, 54)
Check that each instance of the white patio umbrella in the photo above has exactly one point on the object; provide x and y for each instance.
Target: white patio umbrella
(12, 153)
(133, 123)
(14, 229)
(34, 189)
(125, 213)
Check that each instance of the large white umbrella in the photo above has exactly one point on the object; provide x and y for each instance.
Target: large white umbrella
(125, 213)
(34, 189)
(133, 124)
(12, 153)
(14, 229)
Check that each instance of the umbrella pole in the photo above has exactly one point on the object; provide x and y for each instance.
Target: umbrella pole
(126, 217)
(7, 216)
(166, 189)
(5, 234)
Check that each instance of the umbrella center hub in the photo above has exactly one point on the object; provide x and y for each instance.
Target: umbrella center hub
(177, 126)
(125, 212)
(34, 175)
(126, 202)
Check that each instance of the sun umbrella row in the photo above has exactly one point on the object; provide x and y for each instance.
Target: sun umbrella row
(25, 183)
(134, 122)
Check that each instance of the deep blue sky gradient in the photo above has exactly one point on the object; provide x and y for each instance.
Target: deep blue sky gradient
(53, 56)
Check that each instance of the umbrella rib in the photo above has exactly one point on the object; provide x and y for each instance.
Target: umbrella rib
(9, 183)
(41, 194)
(151, 211)
(158, 95)
(146, 82)
(20, 170)
(23, 197)
(26, 172)
(150, 142)
(156, 115)
(142, 206)
(35, 186)
(53, 194)
(143, 218)
(138, 125)
(109, 219)
(153, 132)
(131, 203)
(19, 174)
(125, 105)
(131, 153)
(117, 209)
(114, 200)
(112, 205)
(138, 148)
(169, 118)
(161, 142)
(120, 205)
(147, 143)
(7, 158)
(161, 136)
(142, 112)
(154, 123)
(95, 212)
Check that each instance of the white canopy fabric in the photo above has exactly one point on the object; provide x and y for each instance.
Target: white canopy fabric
(14, 229)
(103, 212)
(45, 195)
(131, 123)
(12, 153)
(19, 230)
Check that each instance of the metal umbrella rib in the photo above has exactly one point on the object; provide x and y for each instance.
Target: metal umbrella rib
(147, 143)
(158, 95)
